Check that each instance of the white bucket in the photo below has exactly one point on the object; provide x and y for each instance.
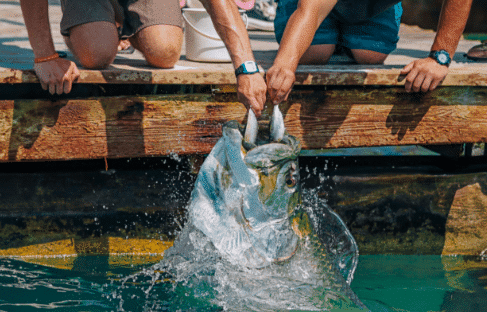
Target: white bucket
(202, 41)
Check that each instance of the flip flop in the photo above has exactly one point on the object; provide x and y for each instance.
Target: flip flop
(128, 50)
(62, 54)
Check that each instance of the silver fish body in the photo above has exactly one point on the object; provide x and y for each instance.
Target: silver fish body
(242, 199)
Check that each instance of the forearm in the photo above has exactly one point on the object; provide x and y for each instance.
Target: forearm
(231, 29)
(300, 30)
(36, 18)
(453, 18)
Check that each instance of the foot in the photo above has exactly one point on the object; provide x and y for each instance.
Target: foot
(124, 47)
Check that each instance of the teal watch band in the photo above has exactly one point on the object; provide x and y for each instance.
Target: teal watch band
(247, 68)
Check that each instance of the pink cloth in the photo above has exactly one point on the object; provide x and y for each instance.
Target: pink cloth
(247, 5)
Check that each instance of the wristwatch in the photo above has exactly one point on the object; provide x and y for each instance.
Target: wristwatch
(441, 56)
(247, 68)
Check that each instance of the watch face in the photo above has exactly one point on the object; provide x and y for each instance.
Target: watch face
(442, 58)
(250, 66)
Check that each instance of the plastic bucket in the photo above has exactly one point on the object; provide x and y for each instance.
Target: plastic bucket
(202, 41)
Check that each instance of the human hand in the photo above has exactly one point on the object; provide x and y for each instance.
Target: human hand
(57, 75)
(424, 74)
(251, 91)
(280, 81)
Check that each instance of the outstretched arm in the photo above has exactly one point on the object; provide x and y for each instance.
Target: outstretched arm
(231, 29)
(425, 74)
(297, 37)
(56, 75)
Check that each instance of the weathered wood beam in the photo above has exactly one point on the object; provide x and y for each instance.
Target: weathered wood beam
(138, 126)
(466, 233)
(356, 75)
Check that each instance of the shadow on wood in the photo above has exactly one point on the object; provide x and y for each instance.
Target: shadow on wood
(29, 120)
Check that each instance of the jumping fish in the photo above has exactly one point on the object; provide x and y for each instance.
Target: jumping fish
(246, 212)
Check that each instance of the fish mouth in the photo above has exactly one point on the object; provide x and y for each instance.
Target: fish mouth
(270, 140)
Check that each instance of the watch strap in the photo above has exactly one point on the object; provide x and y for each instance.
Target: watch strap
(435, 54)
(247, 68)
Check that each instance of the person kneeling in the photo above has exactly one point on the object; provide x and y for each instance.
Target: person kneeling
(369, 39)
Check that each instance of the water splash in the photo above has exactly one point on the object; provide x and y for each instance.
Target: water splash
(312, 280)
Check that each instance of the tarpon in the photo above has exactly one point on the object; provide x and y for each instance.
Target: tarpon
(247, 225)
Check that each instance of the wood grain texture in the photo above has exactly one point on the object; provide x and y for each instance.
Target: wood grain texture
(326, 75)
(466, 231)
(137, 126)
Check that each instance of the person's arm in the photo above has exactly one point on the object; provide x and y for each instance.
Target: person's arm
(297, 38)
(425, 74)
(230, 27)
(55, 75)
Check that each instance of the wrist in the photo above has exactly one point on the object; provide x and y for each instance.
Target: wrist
(43, 49)
(442, 57)
(48, 58)
(247, 68)
(287, 63)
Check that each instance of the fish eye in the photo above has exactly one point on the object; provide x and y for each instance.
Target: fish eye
(290, 181)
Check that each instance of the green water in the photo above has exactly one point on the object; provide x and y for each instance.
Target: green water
(422, 283)
(383, 283)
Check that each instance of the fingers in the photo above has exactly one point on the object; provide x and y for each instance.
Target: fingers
(254, 105)
(57, 76)
(410, 78)
(60, 85)
(44, 85)
(434, 84)
(252, 92)
(407, 69)
(69, 77)
(425, 86)
(424, 75)
(52, 88)
(418, 82)
(279, 84)
(67, 84)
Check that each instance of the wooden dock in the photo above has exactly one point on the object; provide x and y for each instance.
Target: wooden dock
(131, 110)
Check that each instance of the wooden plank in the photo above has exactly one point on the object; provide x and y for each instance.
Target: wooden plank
(137, 126)
(205, 75)
(407, 213)
(356, 75)
(466, 233)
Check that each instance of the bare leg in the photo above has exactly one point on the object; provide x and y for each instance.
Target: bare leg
(160, 44)
(93, 44)
(368, 57)
(317, 54)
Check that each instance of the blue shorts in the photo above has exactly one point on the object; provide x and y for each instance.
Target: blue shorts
(379, 33)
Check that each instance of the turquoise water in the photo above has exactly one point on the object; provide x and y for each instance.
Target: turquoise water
(383, 283)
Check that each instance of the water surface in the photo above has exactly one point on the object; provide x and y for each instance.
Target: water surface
(96, 283)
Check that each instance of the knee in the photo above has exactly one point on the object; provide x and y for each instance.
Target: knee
(317, 54)
(163, 57)
(94, 44)
(160, 44)
(368, 57)
(97, 59)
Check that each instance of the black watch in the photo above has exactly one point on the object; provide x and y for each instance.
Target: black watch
(247, 68)
(441, 56)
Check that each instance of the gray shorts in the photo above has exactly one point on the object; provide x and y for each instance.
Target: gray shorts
(134, 15)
